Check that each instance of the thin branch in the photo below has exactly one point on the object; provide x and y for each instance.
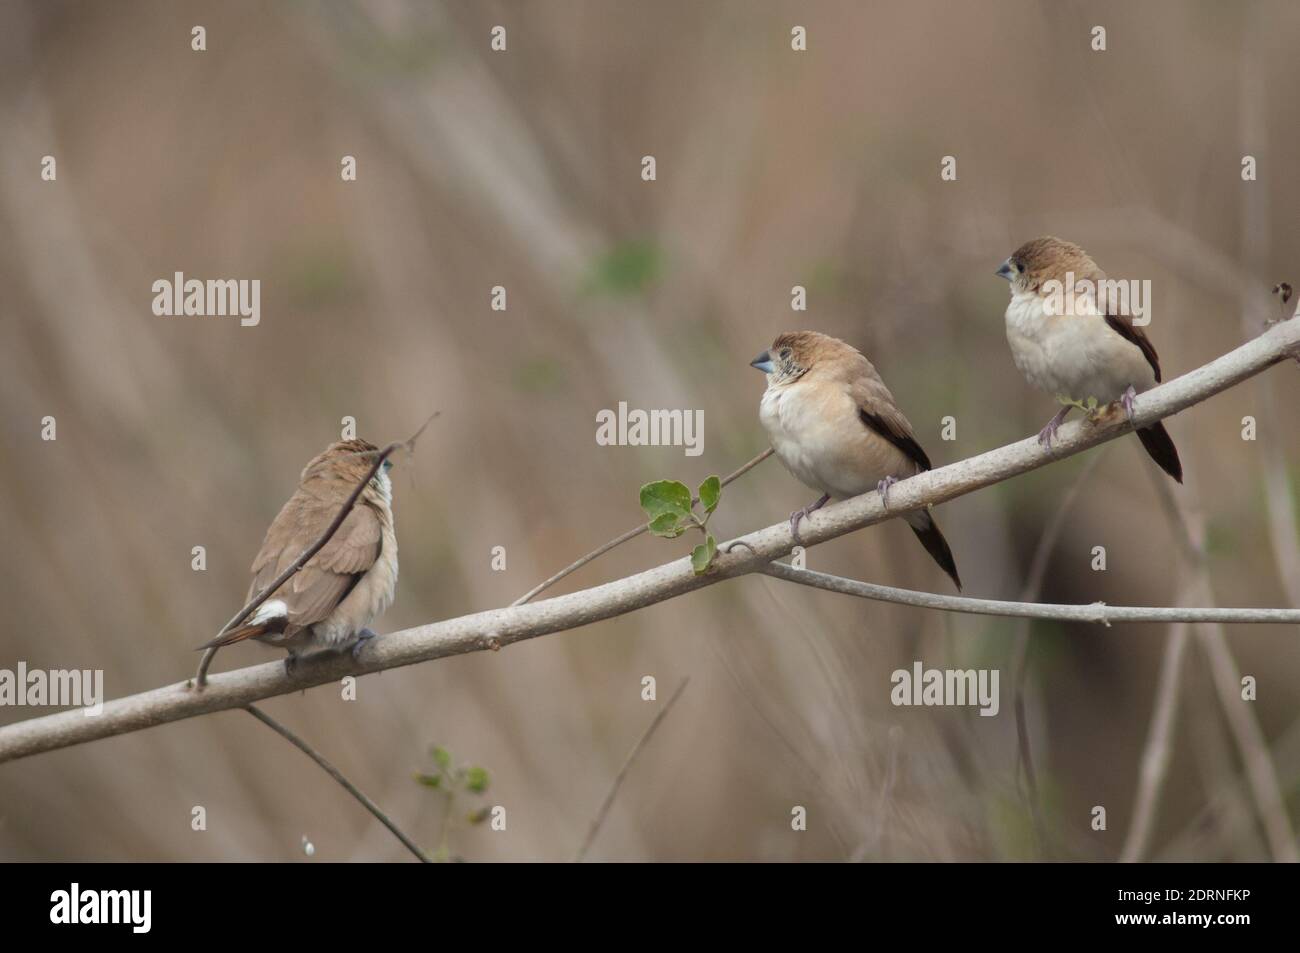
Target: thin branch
(500, 627)
(337, 775)
(575, 566)
(625, 537)
(201, 677)
(599, 819)
(1098, 612)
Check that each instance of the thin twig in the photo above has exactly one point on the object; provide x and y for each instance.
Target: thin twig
(201, 677)
(337, 775)
(1098, 612)
(625, 537)
(497, 628)
(599, 819)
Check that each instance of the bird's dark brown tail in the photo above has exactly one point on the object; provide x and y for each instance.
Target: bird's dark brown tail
(927, 531)
(1158, 444)
(248, 630)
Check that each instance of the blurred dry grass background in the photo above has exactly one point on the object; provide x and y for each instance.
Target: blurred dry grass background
(522, 169)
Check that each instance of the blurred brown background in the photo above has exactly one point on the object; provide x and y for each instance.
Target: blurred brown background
(522, 169)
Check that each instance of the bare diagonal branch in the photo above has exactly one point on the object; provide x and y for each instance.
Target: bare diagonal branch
(338, 776)
(622, 538)
(617, 783)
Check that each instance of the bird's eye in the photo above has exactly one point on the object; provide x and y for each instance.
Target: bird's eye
(785, 354)
(388, 465)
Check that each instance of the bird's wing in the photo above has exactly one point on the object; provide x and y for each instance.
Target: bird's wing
(355, 546)
(328, 576)
(313, 593)
(878, 412)
(1123, 325)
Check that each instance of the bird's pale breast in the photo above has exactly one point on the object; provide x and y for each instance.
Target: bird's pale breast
(1074, 355)
(817, 432)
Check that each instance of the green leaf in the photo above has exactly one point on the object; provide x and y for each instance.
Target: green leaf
(476, 779)
(666, 525)
(479, 816)
(703, 554)
(665, 496)
(441, 757)
(429, 780)
(710, 493)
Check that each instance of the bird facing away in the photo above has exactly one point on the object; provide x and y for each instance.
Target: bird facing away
(330, 601)
(835, 426)
(1081, 347)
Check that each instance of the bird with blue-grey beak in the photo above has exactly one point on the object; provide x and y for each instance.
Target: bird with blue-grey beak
(330, 602)
(1079, 347)
(835, 426)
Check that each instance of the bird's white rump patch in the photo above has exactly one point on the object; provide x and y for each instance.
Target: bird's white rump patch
(272, 609)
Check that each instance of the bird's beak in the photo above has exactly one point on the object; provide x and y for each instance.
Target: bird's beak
(763, 362)
(1005, 271)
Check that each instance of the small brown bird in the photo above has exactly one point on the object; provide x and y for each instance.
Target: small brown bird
(328, 604)
(1081, 346)
(835, 426)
